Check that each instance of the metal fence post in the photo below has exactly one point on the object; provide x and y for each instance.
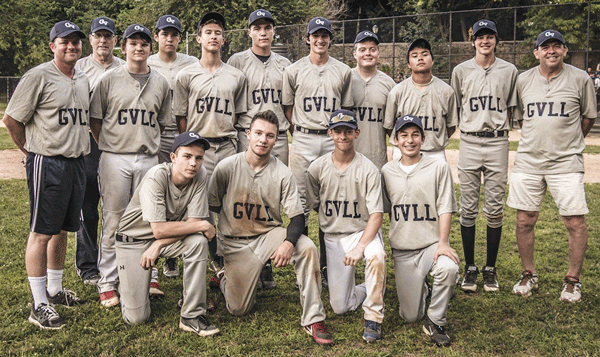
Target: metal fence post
(393, 47)
(515, 37)
(450, 46)
(587, 44)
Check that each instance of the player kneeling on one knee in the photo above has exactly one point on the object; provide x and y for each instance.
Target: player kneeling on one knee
(248, 191)
(345, 188)
(420, 195)
(164, 218)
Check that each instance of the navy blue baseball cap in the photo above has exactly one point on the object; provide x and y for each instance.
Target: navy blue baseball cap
(343, 117)
(319, 23)
(260, 14)
(408, 120)
(484, 25)
(366, 35)
(419, 43)
(212, 16)
(547, 36)
(185, 139)
(167, 21)
(103, 23)
(65, 28)
(137, 28)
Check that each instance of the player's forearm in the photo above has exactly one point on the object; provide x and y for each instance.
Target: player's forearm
(295, 228)
(16, 131)
(95, 127)
(288, 110)
(161, 127)
(178, 230)
(373, 226)
(445, 220)
(181, 124)
(586, 125)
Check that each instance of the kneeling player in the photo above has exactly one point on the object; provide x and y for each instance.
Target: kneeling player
(345, 188)
(421, 197)
(248, 190)
(164, 218)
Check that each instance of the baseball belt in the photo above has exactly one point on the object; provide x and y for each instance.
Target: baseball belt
(127, 239)
(242, 237)
(487, 134)
(310, 131)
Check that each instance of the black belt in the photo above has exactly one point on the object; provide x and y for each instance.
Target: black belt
(488, 134)
(310, 131)
(218, 140)
(281, 132)
(127, 239)
(243, 237)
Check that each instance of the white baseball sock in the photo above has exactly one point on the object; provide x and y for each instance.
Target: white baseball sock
(54, 281)
(37, 284)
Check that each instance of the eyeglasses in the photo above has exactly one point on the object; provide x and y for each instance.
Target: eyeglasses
(106, 36)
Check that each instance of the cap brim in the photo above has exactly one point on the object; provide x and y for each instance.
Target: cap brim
(335, 125)
(368, 38)
(102, 27)
(320, 27)
(483, 29)
(168, 26)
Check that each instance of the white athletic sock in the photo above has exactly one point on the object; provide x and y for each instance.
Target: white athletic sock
(54, 281)
(38, 290)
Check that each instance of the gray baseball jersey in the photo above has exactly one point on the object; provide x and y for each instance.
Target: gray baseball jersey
(251, 201)
(170, 70)
(54, 109)
(316, 91)
(370, 98)
(157, 199)
(93, 70)
(416, 200)
(484, 95)
(552, 110)
(130, 113)
(265, 82)
(209, 100)
(435, 105)
(347, 198)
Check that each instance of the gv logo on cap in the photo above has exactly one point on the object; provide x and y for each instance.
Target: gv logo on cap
(483, 23)
(171, 20)
(260, 13)
(549, 34)
(407, 118)
(194, 135)
(69, 24)
(320, 22)
(367, 33)
(138, 28)
(103, 22)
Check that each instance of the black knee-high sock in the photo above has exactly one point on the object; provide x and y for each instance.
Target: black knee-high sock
(468, 241)
(323, 251)
(493, 244)
(305, 231)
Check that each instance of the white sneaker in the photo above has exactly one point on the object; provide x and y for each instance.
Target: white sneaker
(527, 283)
(571, 290)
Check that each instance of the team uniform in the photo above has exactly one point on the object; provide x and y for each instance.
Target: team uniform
(250, 226)
(417, 195)
(265, 82)
(345, 200)
(315, 92)
(435, 105)
(131, 115)
(370, 98)
(86, 252)
(169, 70)
(551, 146)
(157, 199)
(210, 102)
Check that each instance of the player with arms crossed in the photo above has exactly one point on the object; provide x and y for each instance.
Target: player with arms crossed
(345, 189)
(556, 109)
(248, 191)
(427, 97)
(47, 118)
(420, 194)
(129, 108)
(165, 214)
(370, 88)
(484, 87)
(103, 40)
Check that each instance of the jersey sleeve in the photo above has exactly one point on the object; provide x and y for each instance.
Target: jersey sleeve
(518, 112)
(456, 85)
(289, 87)
(452, 115)
(290, 199)
(181, 94)
(217, 187)
(387, 206)
(446, 198)
(313, 187)
(347, 99)
(152, 200)
(99, 102)
(391, 108)
(374, 195)
(25, 98)
(512, 96)
(241, 95)
(588, 100)
(198, 205)
(164, 116)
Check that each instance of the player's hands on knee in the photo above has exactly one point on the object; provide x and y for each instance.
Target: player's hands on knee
(150, 255)
(354, 256)
(283, 254)
(208, 230)
(445, 249)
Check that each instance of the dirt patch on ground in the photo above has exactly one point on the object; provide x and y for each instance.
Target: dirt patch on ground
(11, 165)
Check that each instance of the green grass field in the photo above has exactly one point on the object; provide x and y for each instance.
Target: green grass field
(481, 324)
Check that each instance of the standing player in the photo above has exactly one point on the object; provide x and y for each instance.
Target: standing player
(165, 214)
(129, 108)
(103, 40)
(313, 88)
(345, 189)
(484, 87)
(47, 118)
(427, 97)
(248, 191)
(370, 89)
(420, 193)
(208, 98)
(556, 109)
(264, 71)
(169, 62)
